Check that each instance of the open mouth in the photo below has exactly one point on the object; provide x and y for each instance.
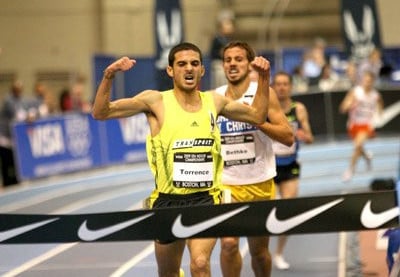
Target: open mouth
(189, 78)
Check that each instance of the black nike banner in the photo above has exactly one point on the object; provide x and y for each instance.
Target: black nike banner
(350, 212)
(360, 27)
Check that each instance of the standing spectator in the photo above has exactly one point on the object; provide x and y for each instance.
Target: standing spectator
(362, 103)
(225, 32)
(288, 168)
(79, 103)
(73, 99)
(15, 108)
(373, 63)
(313, 61)
(65, 100)
(44, 101)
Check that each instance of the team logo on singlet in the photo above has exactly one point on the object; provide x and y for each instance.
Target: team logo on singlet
(212, 122)
(188, 143)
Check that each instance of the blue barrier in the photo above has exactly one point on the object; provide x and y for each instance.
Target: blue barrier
(76, 141)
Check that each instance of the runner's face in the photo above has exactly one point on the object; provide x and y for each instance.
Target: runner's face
(282, 86)
(368, 82)
(236, 65)
(187, 70)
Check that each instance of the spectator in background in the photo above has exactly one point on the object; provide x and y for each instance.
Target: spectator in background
(65, 101)
(300, 82)
(44, 100)
(313, 61)
(79, 103)
(15, 108)
(224, 35)
(349, 79)
(73, 99)
(373, 63)
(328, 80)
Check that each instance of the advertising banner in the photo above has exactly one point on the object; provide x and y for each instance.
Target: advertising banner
(76, 142)
(126, 139)
(57, 145)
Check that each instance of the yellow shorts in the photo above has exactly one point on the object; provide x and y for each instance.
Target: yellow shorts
(252, 192)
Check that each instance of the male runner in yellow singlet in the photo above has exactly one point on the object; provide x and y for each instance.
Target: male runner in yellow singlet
(184, 141)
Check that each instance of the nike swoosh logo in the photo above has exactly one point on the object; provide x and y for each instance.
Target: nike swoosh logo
(86, 234)
(277, 226)
(181, 231)
(5, 235)
(371, 219)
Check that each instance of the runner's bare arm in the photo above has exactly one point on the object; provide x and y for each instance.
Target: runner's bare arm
(304, 133)
(347, 102)
(277, 127)
(104, 108)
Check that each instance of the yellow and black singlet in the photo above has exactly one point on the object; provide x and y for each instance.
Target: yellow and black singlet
(185, 155)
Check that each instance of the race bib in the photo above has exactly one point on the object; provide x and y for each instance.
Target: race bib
(238, 149)
(193, 170)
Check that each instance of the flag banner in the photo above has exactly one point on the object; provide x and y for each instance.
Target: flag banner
(360, 27)
(168, 24)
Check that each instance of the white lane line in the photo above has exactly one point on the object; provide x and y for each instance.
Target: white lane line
(134, 261)
(342, 254)
(137, 258)
(94, 175)
(63, 247)
(33, 262)
(60, 192)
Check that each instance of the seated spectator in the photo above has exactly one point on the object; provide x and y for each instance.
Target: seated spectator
(328, 80)
(79, 102)
(373, 63)
(65, 100)
(300, 82)
(72, 99)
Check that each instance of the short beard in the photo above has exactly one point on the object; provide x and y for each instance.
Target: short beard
(238, 81)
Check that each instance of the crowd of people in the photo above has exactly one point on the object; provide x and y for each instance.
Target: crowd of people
(318, 72)
(19, 107)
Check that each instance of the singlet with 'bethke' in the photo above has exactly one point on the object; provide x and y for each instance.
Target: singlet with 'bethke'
(247, 151)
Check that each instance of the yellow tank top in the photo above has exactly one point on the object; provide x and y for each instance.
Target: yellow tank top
(185, 155)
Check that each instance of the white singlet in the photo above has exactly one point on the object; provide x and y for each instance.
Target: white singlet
(247, 151)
